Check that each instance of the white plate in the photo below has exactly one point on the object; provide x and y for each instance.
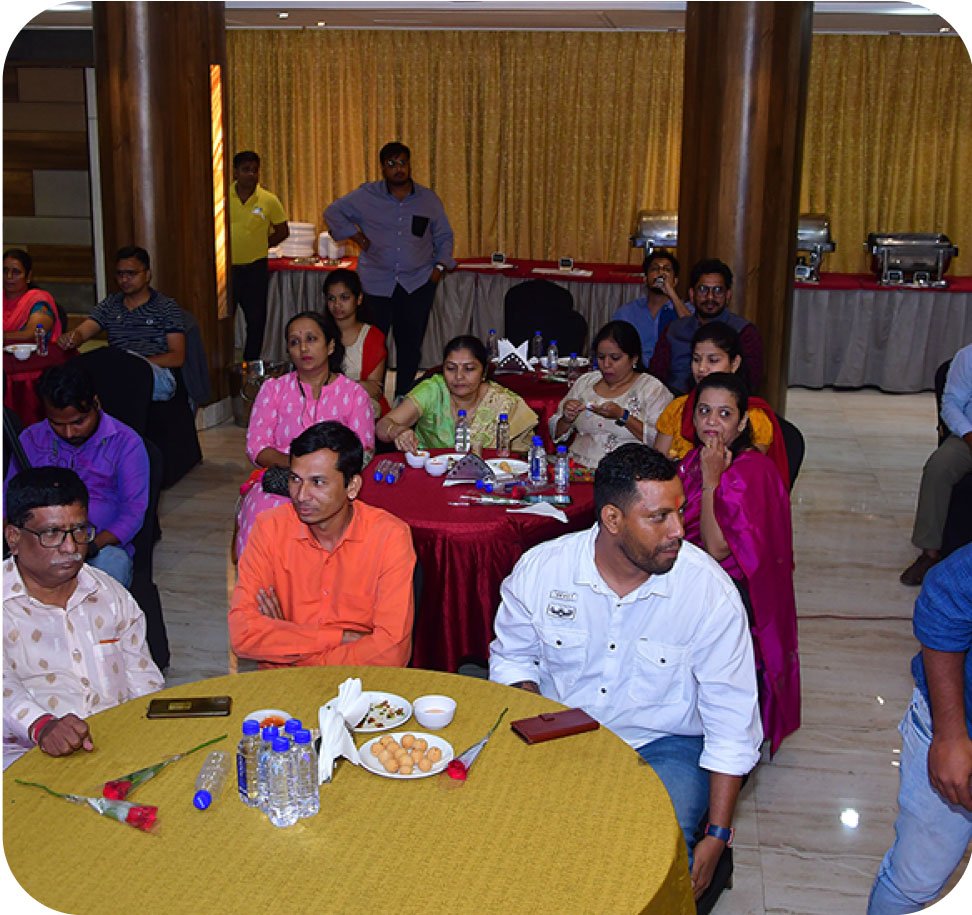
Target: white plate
(375, 697)
(516, 467)
(582, 361)
(371, 763)
(262, 713)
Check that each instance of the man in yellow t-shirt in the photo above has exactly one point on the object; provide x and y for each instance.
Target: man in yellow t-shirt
(257, 223)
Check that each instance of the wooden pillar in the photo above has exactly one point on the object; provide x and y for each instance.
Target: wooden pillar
(746, 69)
(155, 133)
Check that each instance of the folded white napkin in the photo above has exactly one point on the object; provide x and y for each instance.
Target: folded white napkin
(350, 702)
(505, 348)
(335, 741)
(540, 508)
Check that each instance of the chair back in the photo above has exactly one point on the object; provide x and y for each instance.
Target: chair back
(12, 449)
(123, 383)
(795, 445)
(542, 305)
(941, 376)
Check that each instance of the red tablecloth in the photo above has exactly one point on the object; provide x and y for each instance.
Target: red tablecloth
(19, 379)
(543, 397)
(465, 555)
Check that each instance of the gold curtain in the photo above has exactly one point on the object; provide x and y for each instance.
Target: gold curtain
(888, 142)
(545, 144)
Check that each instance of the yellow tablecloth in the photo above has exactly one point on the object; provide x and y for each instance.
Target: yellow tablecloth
(573, 825)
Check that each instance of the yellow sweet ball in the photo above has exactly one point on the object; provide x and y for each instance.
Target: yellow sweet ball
(408, 741)
(425, 764)
(421, 744)
(391, 765)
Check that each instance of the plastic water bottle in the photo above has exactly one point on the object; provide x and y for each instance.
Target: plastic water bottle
(281, 803)
(463, 435)
(247, 780)
(561, 471)
(573, 369)
(536, 345)
(40, 338)
(538, 463)
(553, 356)
(394, 473)
(492, 344)
(305, 775)
(263, 756)
(211, 778)
(503, 436)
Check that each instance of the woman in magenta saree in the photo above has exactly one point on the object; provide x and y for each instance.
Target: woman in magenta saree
(738, 510)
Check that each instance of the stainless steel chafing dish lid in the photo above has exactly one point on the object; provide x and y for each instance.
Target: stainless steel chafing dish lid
(655, 229)
(813, 233)
(911, 251)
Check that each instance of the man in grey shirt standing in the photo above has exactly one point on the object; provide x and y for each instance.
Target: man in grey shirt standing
(406, 248)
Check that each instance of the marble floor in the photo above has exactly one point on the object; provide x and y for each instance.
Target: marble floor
(852, 508)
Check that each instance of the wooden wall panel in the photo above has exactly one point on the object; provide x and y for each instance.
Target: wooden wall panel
(64, 263)
(18, 191)
(47, 149)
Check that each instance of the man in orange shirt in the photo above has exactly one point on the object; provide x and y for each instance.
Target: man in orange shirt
(326, 579)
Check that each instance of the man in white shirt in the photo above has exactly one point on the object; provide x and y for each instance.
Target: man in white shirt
(73, 638)
(648, 635)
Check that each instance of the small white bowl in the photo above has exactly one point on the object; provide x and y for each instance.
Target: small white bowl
(416, 460)
(437, 466)
(434, 712)
(21, 351)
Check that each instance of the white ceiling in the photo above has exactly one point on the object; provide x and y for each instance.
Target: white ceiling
(621, 15)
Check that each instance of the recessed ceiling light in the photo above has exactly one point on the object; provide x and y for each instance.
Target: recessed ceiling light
(945, 28)
(283, 15)
(850, 818)
(321, 25)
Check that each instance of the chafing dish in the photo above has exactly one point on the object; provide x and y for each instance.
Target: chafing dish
(655, 229)
(813, 237)
(910, 258)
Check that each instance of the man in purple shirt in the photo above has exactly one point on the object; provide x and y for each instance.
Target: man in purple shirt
(108, 456)
(406, 248)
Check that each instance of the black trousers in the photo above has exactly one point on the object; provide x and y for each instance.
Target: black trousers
(407, 314)
(250, 285)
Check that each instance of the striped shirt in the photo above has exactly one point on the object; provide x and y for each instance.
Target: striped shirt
(141, 330)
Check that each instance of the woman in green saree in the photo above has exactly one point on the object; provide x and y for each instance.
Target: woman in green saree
(426, 418)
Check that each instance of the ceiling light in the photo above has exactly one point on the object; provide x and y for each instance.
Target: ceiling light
(283, 15)
(321, 25)
(945, 28)
(850, 818)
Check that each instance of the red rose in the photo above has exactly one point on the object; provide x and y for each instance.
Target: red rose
(456, 770)
(142, 817)
(116, 790)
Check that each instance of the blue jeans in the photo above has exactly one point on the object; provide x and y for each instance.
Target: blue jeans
(931, 835)
(676, 762)
(114, 561)
(163, 383)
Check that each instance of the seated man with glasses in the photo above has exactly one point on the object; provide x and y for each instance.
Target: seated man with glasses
(73, 638)
(139, 320)
(710, 293)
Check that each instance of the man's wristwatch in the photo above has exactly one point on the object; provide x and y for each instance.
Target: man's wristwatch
(724, 833)
(623, 419)
(441, 268)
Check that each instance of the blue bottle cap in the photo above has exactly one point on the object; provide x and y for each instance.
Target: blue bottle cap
(492, 330)
(537, 440)
(251, 727)
(292, 724)
(281, 745)
(461, 413)
(302, 736)
(553, 342)
(201, 800)
(270, 732)
(561, 449)
(573, 355)
(488, 486)
(504, 417)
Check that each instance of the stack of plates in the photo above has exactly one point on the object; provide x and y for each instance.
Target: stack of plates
(300, 242)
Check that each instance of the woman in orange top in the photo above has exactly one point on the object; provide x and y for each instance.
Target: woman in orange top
(716, 348)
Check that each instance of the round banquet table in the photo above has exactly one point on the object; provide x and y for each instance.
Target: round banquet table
(573, 825)
(540, 395)
(20, 377)
(465, 553)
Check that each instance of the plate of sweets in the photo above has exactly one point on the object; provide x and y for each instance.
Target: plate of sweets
(507, 467)
(407, 755)
(270, 717)
(385, 712)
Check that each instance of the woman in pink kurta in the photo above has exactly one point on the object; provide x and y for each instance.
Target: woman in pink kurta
(285, 407)
(738, 510)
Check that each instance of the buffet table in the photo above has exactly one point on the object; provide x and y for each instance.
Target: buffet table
(573, 825)
(846, 331)
(465, 553)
